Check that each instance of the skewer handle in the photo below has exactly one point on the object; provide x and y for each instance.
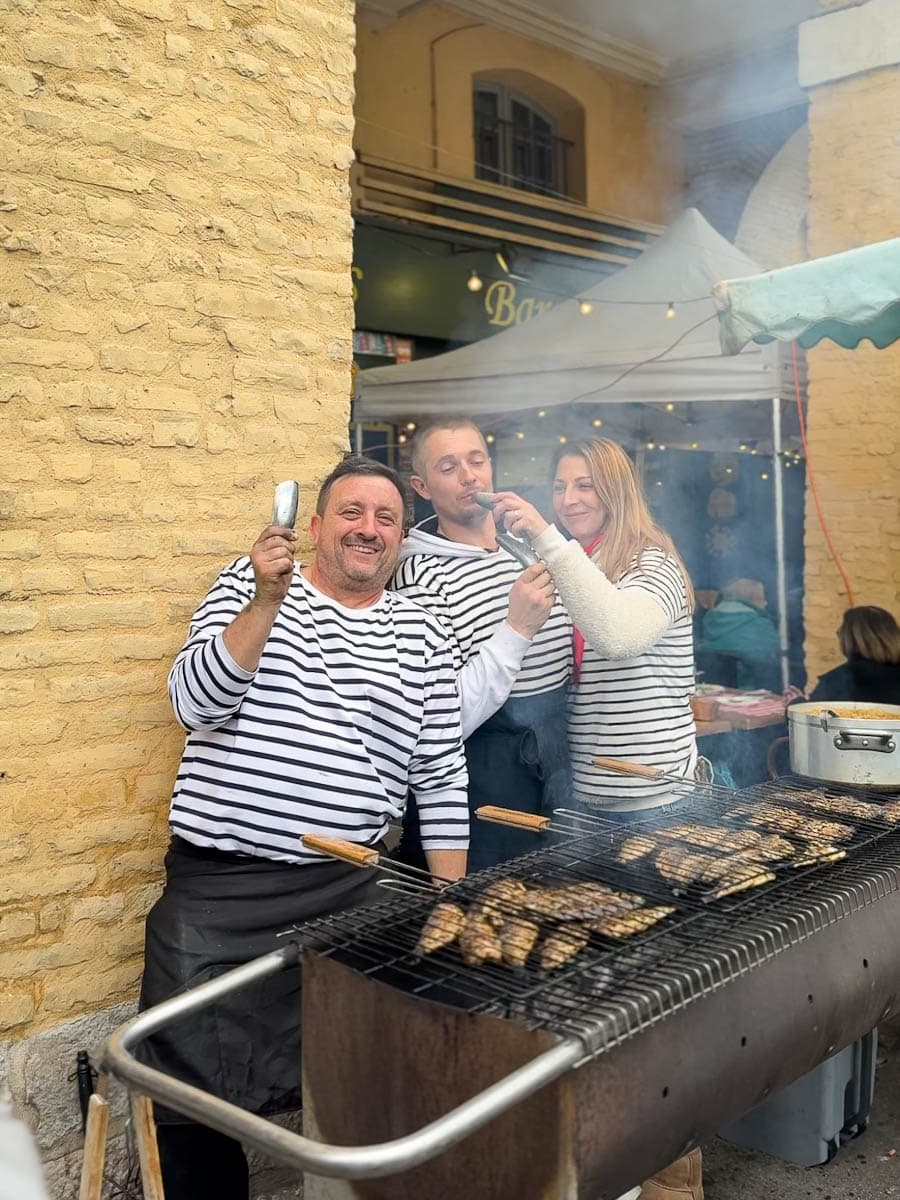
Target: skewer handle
(359, 856)
(629, 768)
(509, 816)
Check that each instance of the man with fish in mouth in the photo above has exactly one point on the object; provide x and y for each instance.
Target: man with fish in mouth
(510, 636)
(315, 702)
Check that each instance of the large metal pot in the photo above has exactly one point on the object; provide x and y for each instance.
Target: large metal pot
(846, 742)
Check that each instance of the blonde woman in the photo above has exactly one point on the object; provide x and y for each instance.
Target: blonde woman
(629, 596)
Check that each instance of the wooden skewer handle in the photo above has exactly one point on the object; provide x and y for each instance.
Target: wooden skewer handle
(629, 768)
(509, 816)
(94, 1149)
(359, 856)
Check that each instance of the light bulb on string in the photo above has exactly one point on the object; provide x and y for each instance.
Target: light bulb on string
(662, 446)
(695, 445)
(670, 311)
(651, 445)
(541, 413)
(585, 307)
(411, 425)
(474, 283)
(742, 446)
(597, 423)
(670, 407)
(490, 439)
(401, 438)
(520, 435)
(764, 475)
(563, 439)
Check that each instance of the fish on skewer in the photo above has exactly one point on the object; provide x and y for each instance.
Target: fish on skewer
(680, 868)
(563, 944)
(518, 937)
(797, 824)
(627, 924)
(444, 925)
(581, 901)
(479, 942)
(733, 875)
(771, 847)
(714, 837)
(841, 805)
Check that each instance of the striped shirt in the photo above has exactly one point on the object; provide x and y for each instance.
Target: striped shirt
(470, 596)
(348, 710)
(638, 709)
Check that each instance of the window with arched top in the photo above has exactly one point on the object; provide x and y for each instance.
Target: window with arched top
(518, 142)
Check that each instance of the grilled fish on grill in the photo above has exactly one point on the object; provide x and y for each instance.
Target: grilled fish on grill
(786, 820)
(735, 874)
(714, 837)
(636, 847)
(842, 805)
(479, 942)
(729, 874)
(580, 901)
(497, 899)
(444, 925)
(771, 847)
(562, 945)
(626, 924)
(517, 940)
(682, 868)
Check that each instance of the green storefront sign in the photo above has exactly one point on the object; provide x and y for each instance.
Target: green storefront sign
(417, 286)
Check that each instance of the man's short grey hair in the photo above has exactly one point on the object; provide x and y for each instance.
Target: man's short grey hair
(425, 432)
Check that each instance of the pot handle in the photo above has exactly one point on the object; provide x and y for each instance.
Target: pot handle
(863, 739)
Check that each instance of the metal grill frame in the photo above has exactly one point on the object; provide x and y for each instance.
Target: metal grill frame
(824, 896)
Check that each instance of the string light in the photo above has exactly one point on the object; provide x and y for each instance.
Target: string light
(765, 475)
(597, 423)
(670, 407)
(661, 446)
(411, 425)
(742, 446)
(670, 311)
(490, 439)
(651, 445)
(520, 435)
(695, 445)
(474, 283)
(563, 439)
(401, 438)
(585, 307)
(542, 413)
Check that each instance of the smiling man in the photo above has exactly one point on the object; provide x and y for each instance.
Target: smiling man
(510, 636)
(315, 702)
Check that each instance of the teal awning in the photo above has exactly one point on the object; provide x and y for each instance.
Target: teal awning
(847, 297)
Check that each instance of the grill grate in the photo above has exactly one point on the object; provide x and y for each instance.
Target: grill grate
(613, 989)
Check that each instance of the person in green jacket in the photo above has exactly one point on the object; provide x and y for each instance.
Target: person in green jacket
(740, 625)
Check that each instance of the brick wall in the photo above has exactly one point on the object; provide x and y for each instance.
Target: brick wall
(175, 322)
(854, 395)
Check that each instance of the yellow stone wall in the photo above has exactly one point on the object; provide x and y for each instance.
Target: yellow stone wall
(854, 395)
(175, 320)
(414, 106)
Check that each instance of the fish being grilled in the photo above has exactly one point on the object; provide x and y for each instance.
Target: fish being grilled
(579, 901)
(841, 805)
(627, 924)
(682, 868)
(562, 945)
(517, 940)
(495, 902)
(444, 925)
(636, 847)
(479, 942)
(890, 811)
(732, 875)
(714, 837)
(771, 847)
(798, 824)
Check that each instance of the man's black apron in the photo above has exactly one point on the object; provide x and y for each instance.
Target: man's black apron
(219, 911)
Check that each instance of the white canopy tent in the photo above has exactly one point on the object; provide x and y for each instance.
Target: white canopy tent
(651, 337)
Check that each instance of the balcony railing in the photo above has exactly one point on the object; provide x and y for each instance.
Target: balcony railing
(485, 210)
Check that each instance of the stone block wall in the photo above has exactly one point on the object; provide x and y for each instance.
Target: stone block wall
(854, 395)
(175, 337)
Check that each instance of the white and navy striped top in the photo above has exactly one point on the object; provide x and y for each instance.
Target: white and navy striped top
(467, 588)
(639, 708)
(348, 710)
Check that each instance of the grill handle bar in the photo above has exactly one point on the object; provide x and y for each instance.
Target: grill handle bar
(292, 1149)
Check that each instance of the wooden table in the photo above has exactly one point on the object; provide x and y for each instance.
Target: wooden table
(726, 721)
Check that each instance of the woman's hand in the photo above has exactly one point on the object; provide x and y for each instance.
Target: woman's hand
(517, 516)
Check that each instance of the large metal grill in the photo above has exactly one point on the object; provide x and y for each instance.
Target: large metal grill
(613, 988)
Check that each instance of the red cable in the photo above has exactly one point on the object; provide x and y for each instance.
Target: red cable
(812, 481)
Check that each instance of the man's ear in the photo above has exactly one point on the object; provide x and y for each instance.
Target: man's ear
(315, 528)
(419, 486)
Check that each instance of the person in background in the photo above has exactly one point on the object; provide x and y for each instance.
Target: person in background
(314, 702)
(510, 636)
(869, 638)
(741, 626)
(630, 598)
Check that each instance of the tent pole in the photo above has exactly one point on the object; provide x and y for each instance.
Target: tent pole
(358, 437)
(781, 580)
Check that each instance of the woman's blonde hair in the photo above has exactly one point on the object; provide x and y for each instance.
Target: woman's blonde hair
(629, 528)
(872, 633)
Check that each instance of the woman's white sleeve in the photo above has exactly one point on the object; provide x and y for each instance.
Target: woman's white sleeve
(619, 623)
(487, 678)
